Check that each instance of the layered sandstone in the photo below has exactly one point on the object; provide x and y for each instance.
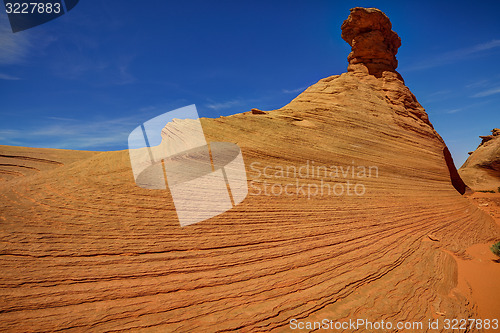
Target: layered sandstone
(84, 248)
(481, 171)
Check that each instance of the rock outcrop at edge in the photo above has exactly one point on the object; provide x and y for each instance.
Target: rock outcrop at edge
(481, 171)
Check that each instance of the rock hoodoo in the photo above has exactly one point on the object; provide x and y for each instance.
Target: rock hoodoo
(485, 138)
(374, 44)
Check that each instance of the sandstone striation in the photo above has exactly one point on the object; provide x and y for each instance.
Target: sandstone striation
(481, 171)
(85, 249)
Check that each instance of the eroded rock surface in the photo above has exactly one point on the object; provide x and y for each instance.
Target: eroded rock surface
(481, 171)
(85, 249)
(374, 45)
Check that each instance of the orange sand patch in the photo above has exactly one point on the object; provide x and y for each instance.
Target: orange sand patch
(478, 279)
(478, 274)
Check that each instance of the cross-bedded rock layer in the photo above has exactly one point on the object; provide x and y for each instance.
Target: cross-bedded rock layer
(84, 248)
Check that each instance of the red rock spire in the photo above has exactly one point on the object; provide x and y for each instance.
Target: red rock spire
(374, 44)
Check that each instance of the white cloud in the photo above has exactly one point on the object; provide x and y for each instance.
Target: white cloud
(478, 83)
(294, 91)
(485, 46)
(61, 118)
(488, 92)
(436, 96)
(223, 105)
(8, 77)
(148, 108)
(454, 56)
(73, 134)
(13, 47)
(439, 93)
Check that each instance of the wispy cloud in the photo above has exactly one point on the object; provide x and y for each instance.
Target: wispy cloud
(61, 118)
(455, 56)
(8, 77)
(99, 71)
(462, 108)
(123, 71)
(485, 46)
(69, 133)
(80, 58)
(478, 83)
(156, 109)
(148, 108)
(488, 92)
(8, 136)
(124, 76)
(439, 95)
(223, 105)
(13, 47)
(293, 91)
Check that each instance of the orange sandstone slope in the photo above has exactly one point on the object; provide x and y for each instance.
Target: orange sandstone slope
(83, 248)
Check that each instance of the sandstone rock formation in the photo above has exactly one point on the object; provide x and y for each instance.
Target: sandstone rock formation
(481, 171)
(374, 44)
(84, 248)
(257, 111)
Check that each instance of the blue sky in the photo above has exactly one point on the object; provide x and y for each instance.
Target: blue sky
(88, 78)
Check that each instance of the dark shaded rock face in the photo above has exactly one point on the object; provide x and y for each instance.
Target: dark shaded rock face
(455, 178)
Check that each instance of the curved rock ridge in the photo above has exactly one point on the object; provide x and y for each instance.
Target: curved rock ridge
(20, 162)
(481, 171)
(352, 213)
(374, 45)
